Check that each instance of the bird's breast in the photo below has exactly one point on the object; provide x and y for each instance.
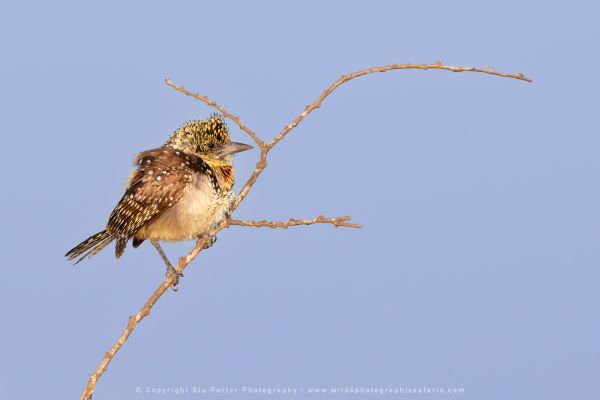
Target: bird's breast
(200, 207)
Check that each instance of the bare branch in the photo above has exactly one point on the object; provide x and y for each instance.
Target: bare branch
(339, 221)
(345, 78)
(223, 111)
(134, 321)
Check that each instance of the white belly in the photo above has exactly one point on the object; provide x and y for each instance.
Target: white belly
(194, 214)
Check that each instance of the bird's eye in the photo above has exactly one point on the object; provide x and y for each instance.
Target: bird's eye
(211, 145)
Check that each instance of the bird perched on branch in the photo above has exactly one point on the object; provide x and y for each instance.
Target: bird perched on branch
(177, 192)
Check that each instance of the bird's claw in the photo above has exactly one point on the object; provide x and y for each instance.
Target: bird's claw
(210, 240)
(173, 275)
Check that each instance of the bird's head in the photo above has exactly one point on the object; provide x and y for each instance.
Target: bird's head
(207, 138)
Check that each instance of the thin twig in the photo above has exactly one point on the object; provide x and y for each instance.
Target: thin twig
(223, 111)
(339, 221)
(260, 166)
(345, 78)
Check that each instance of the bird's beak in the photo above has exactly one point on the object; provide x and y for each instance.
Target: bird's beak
(231, 148)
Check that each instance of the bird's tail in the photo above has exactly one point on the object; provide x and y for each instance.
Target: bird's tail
(91, 245)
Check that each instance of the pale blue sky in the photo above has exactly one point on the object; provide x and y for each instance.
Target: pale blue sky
(477, 267)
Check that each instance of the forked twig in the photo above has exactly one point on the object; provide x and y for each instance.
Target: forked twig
(260, 166)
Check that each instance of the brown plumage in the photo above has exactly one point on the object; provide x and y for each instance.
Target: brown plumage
(178, 191)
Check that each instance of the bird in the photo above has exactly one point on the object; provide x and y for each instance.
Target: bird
(176, 192)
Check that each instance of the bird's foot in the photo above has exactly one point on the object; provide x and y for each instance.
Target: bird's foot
(174, 276)
(210, 240)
